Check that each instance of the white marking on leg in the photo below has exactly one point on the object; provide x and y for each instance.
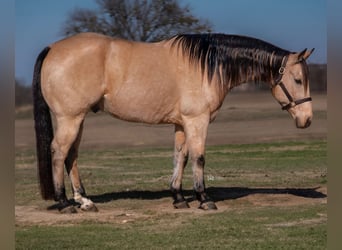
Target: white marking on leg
(86, 204)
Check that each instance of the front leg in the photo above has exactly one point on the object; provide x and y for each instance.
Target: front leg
(198, 162)
(180, 160)
(196, 133)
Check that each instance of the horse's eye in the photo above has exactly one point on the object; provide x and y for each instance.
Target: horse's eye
(298, 81)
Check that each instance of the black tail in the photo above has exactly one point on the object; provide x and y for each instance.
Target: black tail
(44, 131)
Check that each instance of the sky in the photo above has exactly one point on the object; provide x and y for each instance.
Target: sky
(291, 24)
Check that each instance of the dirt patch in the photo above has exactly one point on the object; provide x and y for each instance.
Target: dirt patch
(237, 199)
(34, 215)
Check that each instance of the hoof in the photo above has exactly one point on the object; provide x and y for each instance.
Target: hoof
(89, 208)
(208, 205)
(67, 210)
(181, 204)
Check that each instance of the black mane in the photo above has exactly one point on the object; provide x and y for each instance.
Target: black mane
(232, 59)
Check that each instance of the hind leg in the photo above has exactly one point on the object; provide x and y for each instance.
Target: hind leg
(67, 129)
(72, 169)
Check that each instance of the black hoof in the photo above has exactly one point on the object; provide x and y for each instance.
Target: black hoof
(208, 205)
(67, 210)
(181, 204)
(66, 207)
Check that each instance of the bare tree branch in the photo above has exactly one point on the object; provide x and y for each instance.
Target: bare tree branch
(140, 20)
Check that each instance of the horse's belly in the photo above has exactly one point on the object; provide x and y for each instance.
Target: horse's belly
(147, 109)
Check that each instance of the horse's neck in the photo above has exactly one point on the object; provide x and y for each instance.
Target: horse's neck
(254, 72)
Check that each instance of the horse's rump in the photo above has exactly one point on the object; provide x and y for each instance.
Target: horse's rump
(73, 74)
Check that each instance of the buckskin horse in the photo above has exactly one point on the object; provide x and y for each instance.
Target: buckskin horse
(182, 81)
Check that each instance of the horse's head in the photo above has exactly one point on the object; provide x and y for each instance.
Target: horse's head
(291, 88)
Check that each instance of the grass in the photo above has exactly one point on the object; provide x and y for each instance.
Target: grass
(252, 228)
(136, 180)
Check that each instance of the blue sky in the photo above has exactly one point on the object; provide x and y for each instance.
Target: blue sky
(291, 24)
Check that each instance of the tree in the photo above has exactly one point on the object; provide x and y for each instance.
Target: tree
(23, 94)
(139, 20)
(318, 77)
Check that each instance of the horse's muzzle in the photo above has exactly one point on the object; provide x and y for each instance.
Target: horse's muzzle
(300, 123)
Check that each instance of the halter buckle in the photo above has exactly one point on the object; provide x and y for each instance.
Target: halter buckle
(288, 106)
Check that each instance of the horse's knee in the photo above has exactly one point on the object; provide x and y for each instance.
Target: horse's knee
(200, 161)
(57, 152)
(198, 166)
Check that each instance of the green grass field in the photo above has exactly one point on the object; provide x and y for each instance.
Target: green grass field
(270, 196)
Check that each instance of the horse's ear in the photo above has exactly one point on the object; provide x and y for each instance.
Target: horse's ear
(305, 54)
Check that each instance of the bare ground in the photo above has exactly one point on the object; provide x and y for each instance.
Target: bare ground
(37, 215)
(248, 125)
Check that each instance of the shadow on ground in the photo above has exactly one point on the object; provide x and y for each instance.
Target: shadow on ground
(216, 193)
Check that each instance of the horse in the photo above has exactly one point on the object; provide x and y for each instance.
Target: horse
(182, 80)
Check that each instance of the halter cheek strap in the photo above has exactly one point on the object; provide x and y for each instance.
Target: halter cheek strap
(292, 103)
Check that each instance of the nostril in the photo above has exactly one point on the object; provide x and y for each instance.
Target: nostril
(308, 122)
(303, 123)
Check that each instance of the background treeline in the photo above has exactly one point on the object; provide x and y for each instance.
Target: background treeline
(23, 94)
(318, 83)
(318, 77)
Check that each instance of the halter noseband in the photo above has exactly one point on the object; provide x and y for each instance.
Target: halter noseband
(292, 103)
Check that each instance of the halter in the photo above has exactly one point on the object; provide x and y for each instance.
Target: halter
(292, 103)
